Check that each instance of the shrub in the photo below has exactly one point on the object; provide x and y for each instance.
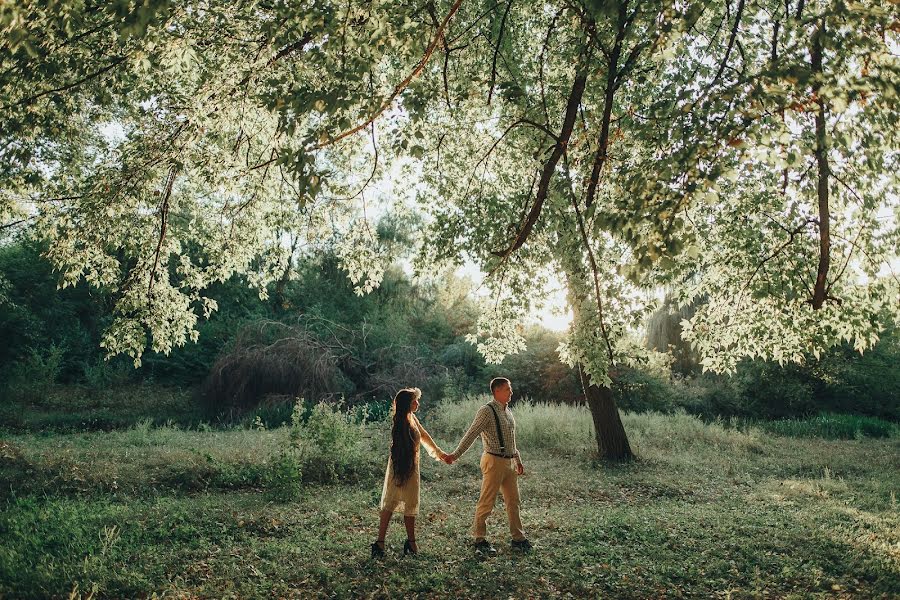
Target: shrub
(867, 384)
(409, 370)
(32, 378)
(536, 372)
(273, 411)
(102, 374)
(284, 472)
(284, 476)
(330, 442)
(711, 396)
(323, 445)
(639, 391)
(774, 392)
(270, 358)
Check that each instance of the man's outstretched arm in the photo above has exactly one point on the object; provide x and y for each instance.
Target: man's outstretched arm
(475, 429)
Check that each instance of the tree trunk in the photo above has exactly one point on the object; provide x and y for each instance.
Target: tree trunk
(820, 291)
(612, 441)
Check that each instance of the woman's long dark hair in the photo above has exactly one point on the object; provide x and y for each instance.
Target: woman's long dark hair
(403, 441)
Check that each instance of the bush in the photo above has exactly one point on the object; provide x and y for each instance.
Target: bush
(323, 445)
(269, 358)
(105, 374)
(773, 392)
(284, 473)
(330, 443)
(275, 410)
(536, 372)
(36, 316)
(636, 390)
(32, 378)
(374, 411)
(867, 384)
(284, 476)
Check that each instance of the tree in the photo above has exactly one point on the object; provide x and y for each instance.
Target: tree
(624, 143)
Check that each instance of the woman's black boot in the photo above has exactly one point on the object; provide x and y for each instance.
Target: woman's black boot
(378, 550)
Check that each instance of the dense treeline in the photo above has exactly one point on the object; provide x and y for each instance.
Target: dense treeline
(314, 337)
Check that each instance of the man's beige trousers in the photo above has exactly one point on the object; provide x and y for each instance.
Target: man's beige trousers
(498, 475)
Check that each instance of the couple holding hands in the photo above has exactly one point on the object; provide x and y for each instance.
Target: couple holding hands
(500, 467)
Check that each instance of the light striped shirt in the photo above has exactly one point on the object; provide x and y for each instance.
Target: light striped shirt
(485, 425)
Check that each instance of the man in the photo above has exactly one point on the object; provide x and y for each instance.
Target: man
(501, 465)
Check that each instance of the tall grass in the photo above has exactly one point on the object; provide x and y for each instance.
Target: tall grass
(334, 446)
(567, 427)
(538, 424)
(141, 458)
(680, 431)
(834, 427)
(70, 408)
(328, 447)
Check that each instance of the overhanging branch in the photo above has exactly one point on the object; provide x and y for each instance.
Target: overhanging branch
(401, 86)
(574, 101)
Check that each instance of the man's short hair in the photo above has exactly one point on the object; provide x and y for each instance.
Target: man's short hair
(497, 382)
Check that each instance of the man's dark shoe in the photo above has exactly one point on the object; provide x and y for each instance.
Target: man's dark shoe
(484, 547)
(523, 545)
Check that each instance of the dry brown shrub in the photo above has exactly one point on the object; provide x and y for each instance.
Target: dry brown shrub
(270, 359)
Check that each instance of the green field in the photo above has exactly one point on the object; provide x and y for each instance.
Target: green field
(708, 510)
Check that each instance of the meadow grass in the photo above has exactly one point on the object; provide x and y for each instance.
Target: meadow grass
(72, 408)
(707, 510)
(834, 427)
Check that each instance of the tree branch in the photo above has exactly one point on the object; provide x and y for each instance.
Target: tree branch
(14, 223)
(734, 30)
(562, 141)
(572, 105)
(164, 218)
(612, 76)
(791, 235)
(594, 271)
(401, 86)
(840, 274)
(437, 24)
(497, 52)
(69, 86)
(872, 261)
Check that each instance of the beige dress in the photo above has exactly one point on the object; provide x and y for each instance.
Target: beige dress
(405, 498)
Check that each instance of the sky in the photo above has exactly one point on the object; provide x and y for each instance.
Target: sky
(554, 315)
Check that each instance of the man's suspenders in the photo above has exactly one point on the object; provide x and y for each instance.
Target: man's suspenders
(499, 431)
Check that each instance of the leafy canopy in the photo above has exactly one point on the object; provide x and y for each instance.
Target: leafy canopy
(626, 144)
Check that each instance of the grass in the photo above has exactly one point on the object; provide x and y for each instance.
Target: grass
(708, 510)
(834, 427)
(69, 408)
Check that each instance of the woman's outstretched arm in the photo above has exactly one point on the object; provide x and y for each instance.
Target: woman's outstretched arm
(433, 450)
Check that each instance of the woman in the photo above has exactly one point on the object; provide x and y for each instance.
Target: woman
(401, 481)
